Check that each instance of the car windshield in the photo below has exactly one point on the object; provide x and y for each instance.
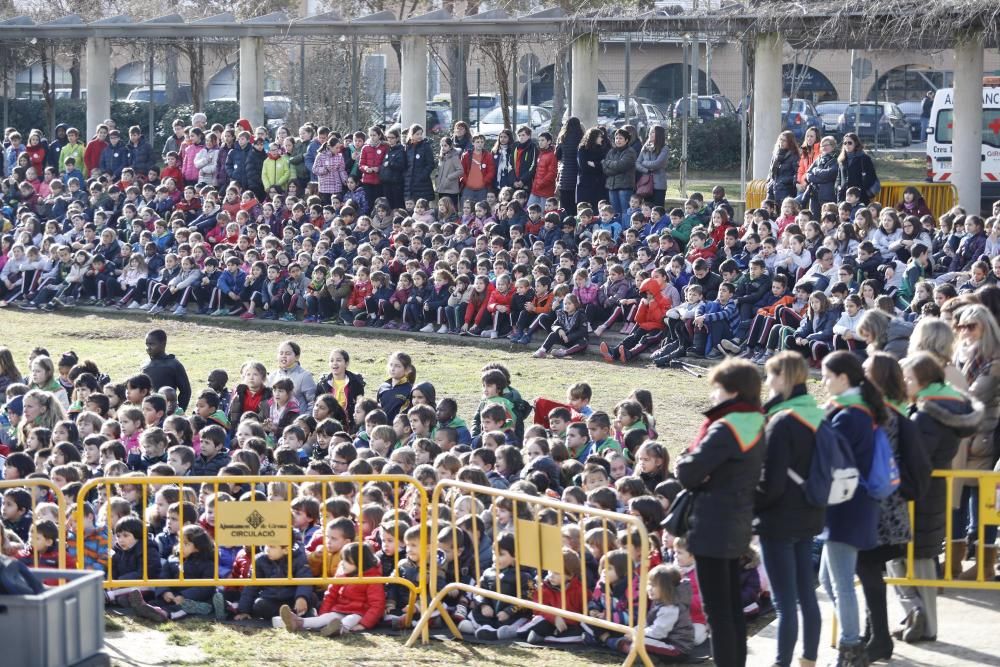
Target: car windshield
(495, 117)
(943, 130)
(481, 102)
(607, 108)
(277, 108)
(831, 108)
(867, 110)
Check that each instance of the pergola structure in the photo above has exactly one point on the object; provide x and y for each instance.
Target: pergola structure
(765, 27)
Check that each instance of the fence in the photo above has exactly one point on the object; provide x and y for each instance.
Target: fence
(538, 546)
(939, 197)
(255, 523)
(32, 485)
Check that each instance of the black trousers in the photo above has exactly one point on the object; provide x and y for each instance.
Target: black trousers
(869, 568)
(719, 581)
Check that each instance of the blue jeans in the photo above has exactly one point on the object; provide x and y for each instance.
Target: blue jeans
(793, 584)
(965, 524)
(836, 571)
(619, 201)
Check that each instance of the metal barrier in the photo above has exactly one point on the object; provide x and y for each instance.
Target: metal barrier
(939, 197)
(31, 485)
(257, 523)
(538, 547)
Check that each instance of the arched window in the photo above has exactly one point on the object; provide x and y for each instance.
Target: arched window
(813, 85)
(665, 85)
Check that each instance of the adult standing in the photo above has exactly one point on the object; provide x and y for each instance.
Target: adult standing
(978, 358)
(652, 163)
(784, 167)
(393, 173)
(590, 185)
(304, 386)
(942, 416)
(164, 370)
(503, 158)
(821, 177)
(417, 182)
(785, 521)
(619, 173)
(856, 170)
(722, 470)
(370, 167)
(854, 411)
(809, 152)
(925, 114)
(566, 146)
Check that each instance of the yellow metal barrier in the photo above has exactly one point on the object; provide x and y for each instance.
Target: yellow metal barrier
(939, 197)
(31, 485)
(538, 546)
(257, 523)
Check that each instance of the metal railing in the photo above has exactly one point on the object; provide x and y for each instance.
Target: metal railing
(939, 197)
(30, 485)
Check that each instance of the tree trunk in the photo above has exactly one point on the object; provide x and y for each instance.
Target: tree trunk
(170, 76)
(74, 71)
(196, 73)
(559, 88)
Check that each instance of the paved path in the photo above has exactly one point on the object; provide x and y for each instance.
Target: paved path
(968, 633)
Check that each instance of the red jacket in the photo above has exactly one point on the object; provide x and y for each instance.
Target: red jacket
(575, 600)
(489, 167)
(92, 154)
(497, 299)
(650, 315)
(362, 290)
(474, 313)
(544, 184)
(174, 173)
(372, 156)
(368, 600)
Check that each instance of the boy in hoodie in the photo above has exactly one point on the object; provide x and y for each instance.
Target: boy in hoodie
(228, 289)
(447, 411)
(649, 329)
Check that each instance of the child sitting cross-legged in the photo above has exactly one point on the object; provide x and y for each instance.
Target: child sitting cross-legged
(669, 630)
(179, 601)
(266, 601)
(129, 556)
(346, 607)
(561, 590)
(494, 619)
(44, 549)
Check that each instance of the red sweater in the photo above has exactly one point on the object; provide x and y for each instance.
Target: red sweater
(368, 600)
(552, 597)
(544, 184)
(498, 298)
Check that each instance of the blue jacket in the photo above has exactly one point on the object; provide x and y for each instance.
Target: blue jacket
(114, 158)
(236, 165)
(140, 156)
(819, 328)
(231, 283)
(265, 568)
(856, 521)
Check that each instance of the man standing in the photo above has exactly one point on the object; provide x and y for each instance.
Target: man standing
(925, 114)
(164, 370)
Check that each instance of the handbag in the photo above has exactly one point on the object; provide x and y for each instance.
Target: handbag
(678, 520)
(644, 186)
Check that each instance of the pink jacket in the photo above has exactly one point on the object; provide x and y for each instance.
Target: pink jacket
(330, 172)
(188, 168)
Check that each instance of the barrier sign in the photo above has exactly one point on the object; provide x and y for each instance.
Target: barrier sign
(252, 523)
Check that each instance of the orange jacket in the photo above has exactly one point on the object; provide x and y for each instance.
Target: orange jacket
(650, 315)
(806, 157)
(768, 311)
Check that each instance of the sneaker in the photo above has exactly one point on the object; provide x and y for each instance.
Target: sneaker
(180, 311)
(485, 334)
(145, 610)
(762, 359)
(133, 305)
(47, 308)
(506, 632)
(464, 332)
(606, 353)
(360, 323)
(467, 627)
(195, 608)
(729, 347)
(219, 312)
(443, 329)
(427, 328)
(269, 315)
(146, 306)
(559, 354)
(493, 334)
(599, 331)
(405, 327)
(331, 629)
(525, 339)
(27, 305)
(248, 316)
(540, 353)
(156, 310)
(287, 317)
(219, 606)
(288, 617)
(715, 355)
(750, 353)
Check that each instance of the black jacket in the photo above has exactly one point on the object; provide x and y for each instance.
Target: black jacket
(417, 183)
(265, 568)
(128, 564)
(823, 175)
(590, 181)
(723, 469)
(780, 506)
(568, 168)
(784, 169)
(942, 421)
(166, 371)
(860, 173)
(394, 165)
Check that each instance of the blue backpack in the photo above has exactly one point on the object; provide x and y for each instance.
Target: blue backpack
(833, 476)
(883, 479)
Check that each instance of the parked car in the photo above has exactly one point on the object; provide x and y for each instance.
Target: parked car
(140, 94)
(710, 107)
(437, 121)
(882, 123)
(481, 104)
(491, 124)
(654, 115)
(277, 111)
(798, 116)
(829, 113)
(67, 93)
(912, 110)
(611, 113)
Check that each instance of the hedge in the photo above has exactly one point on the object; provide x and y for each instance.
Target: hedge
(713, 145)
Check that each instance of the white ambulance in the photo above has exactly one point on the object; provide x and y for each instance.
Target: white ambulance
(939, 137)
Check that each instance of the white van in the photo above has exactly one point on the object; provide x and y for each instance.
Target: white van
(939, 133)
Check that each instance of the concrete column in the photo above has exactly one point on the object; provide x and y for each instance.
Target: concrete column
(584, 58)
(413, 83)
(967, 141)
(98, 84)
(252, 79)
(766, 101)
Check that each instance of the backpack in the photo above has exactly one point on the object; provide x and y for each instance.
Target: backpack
(833, 476)
(883, 478)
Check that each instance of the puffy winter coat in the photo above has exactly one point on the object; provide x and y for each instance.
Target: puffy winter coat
(265, 568)
(568, 168)
(784, 168)
(207, 163)
(655, 164)
(368, 600)
(276, 172)
(236, 165)
(544, 183)
(823, 174)
(188, 168)
(417, 182)
(393, 165)
(619, 168)
(651, 312)
(114, 158)
(449, 176)
(140, 156)
(372, 156)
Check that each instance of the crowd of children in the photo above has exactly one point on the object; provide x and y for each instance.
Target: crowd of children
(96, 427)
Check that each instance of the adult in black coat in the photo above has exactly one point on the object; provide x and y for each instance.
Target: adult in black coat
(590, 185)
(821, 178)
(393, 174)
(417, 183)
(855, 169)
(942, 416)
(164, 370)
(566, 147)
(784, 168)
(255, 167)
(722, 470)
(784, 520)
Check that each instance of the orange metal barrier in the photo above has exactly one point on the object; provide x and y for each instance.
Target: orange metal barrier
(31, 485)
(940, 197)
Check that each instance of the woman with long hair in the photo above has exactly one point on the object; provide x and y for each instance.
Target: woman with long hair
(784, 168)
(9, 373)
(652, 164)
(856, 170)
(567, 143)
(417, 182)
(590, 182)
(503, 156)
(809, 152)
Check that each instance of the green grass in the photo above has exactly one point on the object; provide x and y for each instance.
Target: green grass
(115, 343)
